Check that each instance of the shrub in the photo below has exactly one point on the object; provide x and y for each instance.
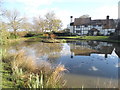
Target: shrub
(4, 36)
(13, 36)
(22, 34)
(53, 36)
(46, 35)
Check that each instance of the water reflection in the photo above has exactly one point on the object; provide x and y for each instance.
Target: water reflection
(87, 48)
(42, 51)
(86, 61)
(92, 58)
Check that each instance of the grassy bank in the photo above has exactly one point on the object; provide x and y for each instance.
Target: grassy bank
(21, 71)
(41, 38)
(94, 38)
(63, 39)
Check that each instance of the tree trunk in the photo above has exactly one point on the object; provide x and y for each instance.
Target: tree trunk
(15, 32)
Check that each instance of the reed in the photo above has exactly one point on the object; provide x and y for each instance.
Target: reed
(54, 80)
(27, 74)
(21, 60)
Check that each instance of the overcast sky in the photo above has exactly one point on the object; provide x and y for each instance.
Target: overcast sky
(97, 9)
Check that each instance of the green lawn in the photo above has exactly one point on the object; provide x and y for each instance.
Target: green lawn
(97, 38)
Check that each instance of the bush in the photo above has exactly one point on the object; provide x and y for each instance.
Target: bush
(13, 36)
(46, 35)
(30, 34)
(53, 36)
(22, 34)
(4, 36)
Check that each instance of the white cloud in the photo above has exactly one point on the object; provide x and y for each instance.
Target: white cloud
(103, 11)
(63, 15)
(34, 3)
(117, 65)
(32, 8)
(93, 68)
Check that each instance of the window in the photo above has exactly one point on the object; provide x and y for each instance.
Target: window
(86, 25)
(78, 31)
(78, 26)
(94, 25)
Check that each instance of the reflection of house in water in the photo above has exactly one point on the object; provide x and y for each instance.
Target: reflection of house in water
(117, 52)
(117, 49)
(87, 48)
(106, 50)
(80, 50)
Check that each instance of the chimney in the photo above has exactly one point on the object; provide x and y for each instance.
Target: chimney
(107, 22)
(71, 19)
(107, 17)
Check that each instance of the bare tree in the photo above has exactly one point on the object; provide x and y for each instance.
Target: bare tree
(26, 25)
(52, 23)
(14, 20)
(39, 24)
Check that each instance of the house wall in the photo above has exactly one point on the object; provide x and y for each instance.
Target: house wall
(71, 28)
(83, 30)
(107, 31)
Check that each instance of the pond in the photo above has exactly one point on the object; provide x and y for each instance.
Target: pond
(89, 64)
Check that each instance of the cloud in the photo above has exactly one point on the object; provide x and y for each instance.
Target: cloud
(103, 11)
(34, 8)
(117, 65)
(63, 15)
(34, 3)
(93, 68)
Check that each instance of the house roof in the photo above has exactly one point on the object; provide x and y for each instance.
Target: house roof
(106, 50)
(81, 21)
(107, 23)
(83, 51)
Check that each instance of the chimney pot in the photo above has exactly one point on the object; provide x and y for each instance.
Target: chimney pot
(71, 19)
(107, 17)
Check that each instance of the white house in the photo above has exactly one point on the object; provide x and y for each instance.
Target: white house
(86, 26)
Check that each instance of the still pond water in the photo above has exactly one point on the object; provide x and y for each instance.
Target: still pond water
(90, 64)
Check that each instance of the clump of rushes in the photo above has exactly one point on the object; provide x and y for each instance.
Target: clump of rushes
(26, 73)
(54, 80)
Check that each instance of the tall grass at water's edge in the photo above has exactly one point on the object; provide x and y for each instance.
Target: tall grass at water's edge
(26, 74)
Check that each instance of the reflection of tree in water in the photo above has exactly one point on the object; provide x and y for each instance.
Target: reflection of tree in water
(50, 50)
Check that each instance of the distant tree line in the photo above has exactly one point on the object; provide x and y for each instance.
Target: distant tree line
(11, 21)
(15, 22)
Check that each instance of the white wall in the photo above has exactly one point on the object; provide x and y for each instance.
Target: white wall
(86, 29)
(71, 28)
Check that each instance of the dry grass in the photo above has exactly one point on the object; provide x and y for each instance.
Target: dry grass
(21, 60)
(35, 76)
(55, 77)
